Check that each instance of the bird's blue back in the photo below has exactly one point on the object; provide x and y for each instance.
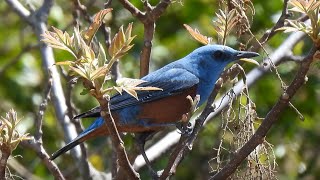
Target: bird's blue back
(194, 74)
(202, 68)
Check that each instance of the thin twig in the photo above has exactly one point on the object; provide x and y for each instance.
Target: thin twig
(270, 33)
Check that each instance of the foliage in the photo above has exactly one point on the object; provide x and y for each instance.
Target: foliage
(10, 136)
(312, 28)
(92, 66)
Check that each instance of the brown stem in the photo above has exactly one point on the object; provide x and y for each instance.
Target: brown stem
(148, 19)
(146, 50)
(186, 142)
(5, 153)
(116, 139)
(269, 120)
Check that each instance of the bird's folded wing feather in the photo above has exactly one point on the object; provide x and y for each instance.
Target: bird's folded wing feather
(172, 81)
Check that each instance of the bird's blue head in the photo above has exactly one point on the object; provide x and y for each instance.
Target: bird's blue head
(217, 55)
(208, 62)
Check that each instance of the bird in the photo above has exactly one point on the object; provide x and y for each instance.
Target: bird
(153, 111)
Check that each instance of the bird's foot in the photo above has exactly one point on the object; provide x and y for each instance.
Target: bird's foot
(184, 128)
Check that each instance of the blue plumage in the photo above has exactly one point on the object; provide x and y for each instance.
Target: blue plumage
(194, 74)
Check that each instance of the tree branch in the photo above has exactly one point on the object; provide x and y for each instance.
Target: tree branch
(270, 33)
(148, 19)
(117, 143)
(271, 118)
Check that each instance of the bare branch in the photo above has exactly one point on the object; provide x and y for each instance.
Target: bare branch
(186, 142)
(270, 33)
(133, 10)
(38, 148)
(21, 170)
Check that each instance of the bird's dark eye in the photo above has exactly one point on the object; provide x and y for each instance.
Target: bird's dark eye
(218, 55)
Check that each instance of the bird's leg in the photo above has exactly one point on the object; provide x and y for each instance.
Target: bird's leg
(141, 140)
(184, 125)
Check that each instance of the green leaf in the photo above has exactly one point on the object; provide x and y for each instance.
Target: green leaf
(129, 82)
(84, 91)
(79, 72)
(64, 63)
(102, 58)
(132, 92)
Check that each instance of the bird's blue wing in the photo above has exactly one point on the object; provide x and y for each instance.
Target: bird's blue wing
(172, 81)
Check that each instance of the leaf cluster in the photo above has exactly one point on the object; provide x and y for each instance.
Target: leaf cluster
(9, 136)
(312, 28)
(94, 67)
(226, 22)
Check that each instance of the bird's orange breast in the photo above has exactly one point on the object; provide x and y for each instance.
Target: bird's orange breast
(168, 109)
(162, 111)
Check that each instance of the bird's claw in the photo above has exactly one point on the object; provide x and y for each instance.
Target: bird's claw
(184, 128)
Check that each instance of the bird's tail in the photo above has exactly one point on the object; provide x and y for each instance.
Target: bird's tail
(96, 129)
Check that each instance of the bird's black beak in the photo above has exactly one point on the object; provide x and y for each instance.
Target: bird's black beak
(245, 55)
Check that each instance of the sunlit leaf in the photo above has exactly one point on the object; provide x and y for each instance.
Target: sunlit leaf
(97, 21)
(197, 35)
(118, 89)
(64, 63)
(132, 92)
(102, 58)
(100, 72)
(225, 23)
(120, 43)
(129, 82)
(79, 72)
(58, 40)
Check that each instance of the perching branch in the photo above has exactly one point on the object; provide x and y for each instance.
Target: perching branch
(118, 144)
(186, 141)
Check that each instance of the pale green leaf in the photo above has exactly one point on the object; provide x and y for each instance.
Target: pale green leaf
(64, 63)
(79, 72)
(131, 92)
(129, 82)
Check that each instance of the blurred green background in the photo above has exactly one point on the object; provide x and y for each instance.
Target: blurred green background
(296, 143)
